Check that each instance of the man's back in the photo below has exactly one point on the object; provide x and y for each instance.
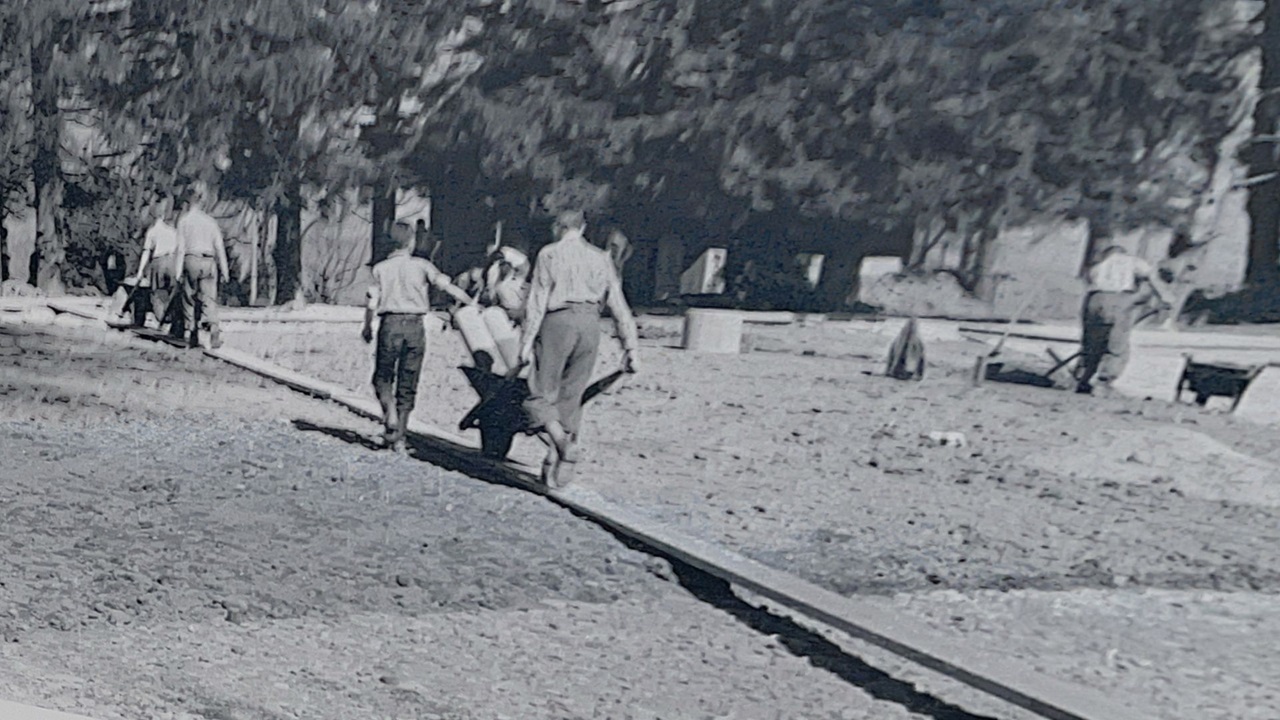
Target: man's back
(574, 271)
(199, 234)
(161, 239)
(1118, 272)
(402, 283)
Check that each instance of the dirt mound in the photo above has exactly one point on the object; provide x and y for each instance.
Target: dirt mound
(934, 295)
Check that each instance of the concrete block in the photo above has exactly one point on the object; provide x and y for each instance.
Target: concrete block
(1261, 400)
(713, 331)
(704, 277)
(1151, 374)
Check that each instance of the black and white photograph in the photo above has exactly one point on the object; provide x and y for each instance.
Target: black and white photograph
(640, 360)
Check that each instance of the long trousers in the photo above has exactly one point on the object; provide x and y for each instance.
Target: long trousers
(402, 343)
(199, 293)
(163, 286)
(564, 354)
(1107, 323)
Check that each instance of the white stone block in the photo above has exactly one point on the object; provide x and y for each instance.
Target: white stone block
(1261, 400)
(704, 277)
(713, 331)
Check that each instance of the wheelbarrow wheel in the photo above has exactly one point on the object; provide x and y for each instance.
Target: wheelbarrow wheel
(495, 442)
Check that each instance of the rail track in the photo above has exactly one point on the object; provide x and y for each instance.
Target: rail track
(999, 677)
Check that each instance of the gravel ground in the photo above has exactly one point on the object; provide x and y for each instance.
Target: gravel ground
(185, 541)
(800, 454)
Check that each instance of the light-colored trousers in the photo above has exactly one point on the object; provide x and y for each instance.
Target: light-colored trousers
(1108, 321)
(564, 354)
(199, 292)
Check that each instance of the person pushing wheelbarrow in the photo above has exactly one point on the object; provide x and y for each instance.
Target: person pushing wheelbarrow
(572, 281)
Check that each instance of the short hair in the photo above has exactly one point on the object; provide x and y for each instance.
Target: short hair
(403, 235)
(571, 220)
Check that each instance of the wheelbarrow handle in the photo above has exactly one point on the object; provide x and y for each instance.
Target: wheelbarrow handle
(514, 372)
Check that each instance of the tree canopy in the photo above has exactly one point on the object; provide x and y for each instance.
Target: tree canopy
(810, 125)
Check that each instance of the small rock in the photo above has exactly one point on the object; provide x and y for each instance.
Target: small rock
(948, 439)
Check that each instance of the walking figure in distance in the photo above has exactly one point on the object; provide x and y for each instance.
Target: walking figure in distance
(156, 267)
(200, 261)
(1115, 291)
(572, 280)
(400, 297)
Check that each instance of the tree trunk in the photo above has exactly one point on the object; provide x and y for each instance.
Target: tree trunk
(838, 286)
(1264, 197)
(50, 246)
(287, 252)
(384, 216)
(4, 245)
(926, 236)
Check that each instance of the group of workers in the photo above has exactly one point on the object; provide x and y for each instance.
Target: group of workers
(556, 302)
(557, 307)
(183, 256)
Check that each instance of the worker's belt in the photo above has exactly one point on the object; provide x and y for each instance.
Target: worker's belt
(579, 306)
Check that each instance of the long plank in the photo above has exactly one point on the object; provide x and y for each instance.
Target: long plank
(1142, 338)
(17, 711)
(1009, 680)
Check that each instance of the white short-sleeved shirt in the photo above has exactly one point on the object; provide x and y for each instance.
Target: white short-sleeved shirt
(1118, 273)
(401, 285)
(161, 239)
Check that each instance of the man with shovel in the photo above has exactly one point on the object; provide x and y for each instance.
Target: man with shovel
(572, 280)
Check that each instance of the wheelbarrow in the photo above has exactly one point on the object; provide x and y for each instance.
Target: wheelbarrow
(496, 377)
(1207, 380)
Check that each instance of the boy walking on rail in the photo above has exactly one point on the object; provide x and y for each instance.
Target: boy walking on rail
(572, 280)
(400, 297)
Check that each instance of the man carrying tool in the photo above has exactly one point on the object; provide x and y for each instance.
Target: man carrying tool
(561, 336)
(157, 264)
(1114, 283)
(200, 260)
(399, 296)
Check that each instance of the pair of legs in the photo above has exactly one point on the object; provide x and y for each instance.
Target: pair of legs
(564, 355)
(402, 344)
(1107, 323)
(164, 289)
(200, 297)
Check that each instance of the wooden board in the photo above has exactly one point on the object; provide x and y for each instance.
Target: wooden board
(18, 711)
(999, 676)
(154, 335)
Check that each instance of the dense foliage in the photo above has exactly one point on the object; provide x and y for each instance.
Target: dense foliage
(836, 126)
